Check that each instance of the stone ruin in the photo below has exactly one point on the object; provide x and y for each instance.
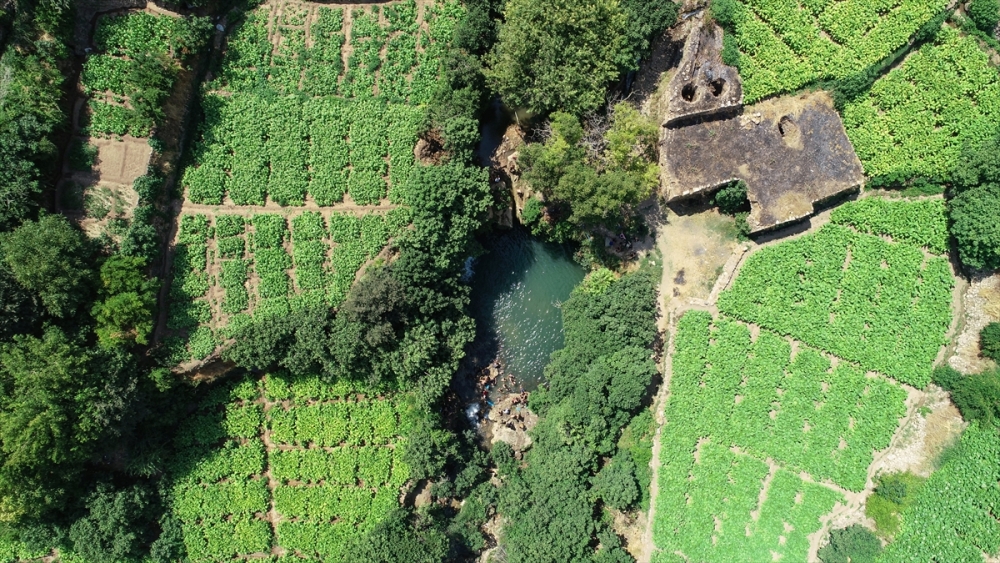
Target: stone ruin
(703, 85)
(792, 152)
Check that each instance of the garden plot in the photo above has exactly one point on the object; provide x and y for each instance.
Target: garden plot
(746, 420)
(882, 304)
(230, 269)
(136, 61)
(752, 417)
(345, 94)
(787, 44)
(303, 468)
(737, 508)
(916, 120)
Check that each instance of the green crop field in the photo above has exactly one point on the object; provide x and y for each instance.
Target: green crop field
(723, 519)
(286, 462)
(916, 119)
(954, 516)
(882, 304)
(322, 129)
(734, 403)
(918, 222)
(786, 44)
(234, 269)
(137, 59)
(795, 410)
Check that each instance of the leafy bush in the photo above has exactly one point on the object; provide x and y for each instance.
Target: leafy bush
(977, 396)
(989, 341)
(975, 224)
(853, 544)
(985, 13)
(732, 198)
(946, 377)
(616, 482)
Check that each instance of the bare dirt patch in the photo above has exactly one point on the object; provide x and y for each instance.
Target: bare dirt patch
(695, 248)
(982, 306)
(931, 425)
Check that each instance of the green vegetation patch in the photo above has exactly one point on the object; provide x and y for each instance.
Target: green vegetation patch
(952, 517)
(720, 491)
(797, 411)
(317, 271)
(295, 123)
(883, 305)
(735, 402)
(781, 45)
(916, 120)
(137, 61)
(921, 222)
(331, 469)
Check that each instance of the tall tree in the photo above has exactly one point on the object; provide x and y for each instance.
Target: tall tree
(49, 258)
(557, 54)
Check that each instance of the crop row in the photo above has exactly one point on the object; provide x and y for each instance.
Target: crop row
(327, 504)
(189, 312)
(303, 389)
(877, 303)
(785, 44)
(287, 148)
(796, 411)
(368, 466)
(916, 120)
(704, 509)
(918, 222)
(332, 424)
(323, 497)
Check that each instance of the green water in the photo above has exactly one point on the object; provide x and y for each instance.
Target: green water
(517, 289)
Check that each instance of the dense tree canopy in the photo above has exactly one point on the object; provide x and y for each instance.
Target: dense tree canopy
(599, 183)
(975, 209)
(557, 54)
(597, 382)
(125, 313)
(49, 258)
(975, 224)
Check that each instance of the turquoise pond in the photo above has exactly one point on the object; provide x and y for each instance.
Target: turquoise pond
(517, 290)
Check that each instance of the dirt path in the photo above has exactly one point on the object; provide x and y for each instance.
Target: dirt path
(697, 248)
